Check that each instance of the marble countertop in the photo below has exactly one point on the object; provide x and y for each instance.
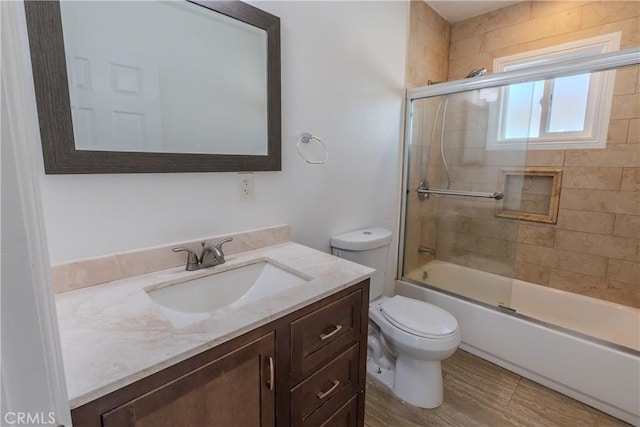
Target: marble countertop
(113, 334)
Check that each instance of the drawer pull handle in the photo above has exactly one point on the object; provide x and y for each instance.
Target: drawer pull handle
(330, 334)
(333, 388)
(270, 384)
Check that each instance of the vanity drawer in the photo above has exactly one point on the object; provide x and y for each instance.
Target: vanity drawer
(346, 416)
(318, 336)
(326, 390)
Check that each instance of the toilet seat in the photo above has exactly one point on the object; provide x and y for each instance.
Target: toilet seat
(419, 318)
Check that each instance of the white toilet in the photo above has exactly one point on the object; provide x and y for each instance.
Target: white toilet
(407, 338)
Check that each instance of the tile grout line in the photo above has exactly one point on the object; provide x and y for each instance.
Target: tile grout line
(515, 389)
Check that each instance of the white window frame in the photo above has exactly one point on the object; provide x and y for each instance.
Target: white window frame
(598, 102)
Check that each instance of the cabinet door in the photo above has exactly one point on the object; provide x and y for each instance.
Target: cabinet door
(235, 390)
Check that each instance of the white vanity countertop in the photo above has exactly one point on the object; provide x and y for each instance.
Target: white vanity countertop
(113, 334)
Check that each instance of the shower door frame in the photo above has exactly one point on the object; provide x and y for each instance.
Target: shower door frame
(560, 68)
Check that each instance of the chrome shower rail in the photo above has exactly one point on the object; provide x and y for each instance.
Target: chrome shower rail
(593, 63)
(497, 195)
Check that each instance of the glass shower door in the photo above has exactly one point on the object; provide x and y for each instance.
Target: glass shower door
(458, 243)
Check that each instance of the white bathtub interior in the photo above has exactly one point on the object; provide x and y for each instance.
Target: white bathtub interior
(615, 323)
(477, 285)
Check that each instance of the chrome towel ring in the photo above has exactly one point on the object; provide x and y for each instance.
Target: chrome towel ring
(306, 138)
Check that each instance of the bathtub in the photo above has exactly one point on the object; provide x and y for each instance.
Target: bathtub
(583, 347)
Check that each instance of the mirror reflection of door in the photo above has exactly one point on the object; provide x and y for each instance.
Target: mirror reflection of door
(114, 101)
(165, 77)
(156, 86)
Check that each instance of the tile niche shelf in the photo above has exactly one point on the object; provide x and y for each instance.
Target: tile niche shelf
(530, 194)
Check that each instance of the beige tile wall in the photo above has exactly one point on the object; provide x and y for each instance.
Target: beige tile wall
(429, 38)
(594, 249)
(428, 60)
(524, 26)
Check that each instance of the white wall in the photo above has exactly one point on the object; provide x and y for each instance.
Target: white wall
(343, 69)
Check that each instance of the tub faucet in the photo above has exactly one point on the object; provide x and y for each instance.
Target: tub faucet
(210, 257)
(425, 250)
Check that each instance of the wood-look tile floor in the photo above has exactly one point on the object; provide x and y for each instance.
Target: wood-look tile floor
(479, 393)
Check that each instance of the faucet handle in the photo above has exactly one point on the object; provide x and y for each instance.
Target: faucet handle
(222, 242)
(192, 258)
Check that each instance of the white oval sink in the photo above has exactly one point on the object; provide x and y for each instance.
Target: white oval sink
(193, 300)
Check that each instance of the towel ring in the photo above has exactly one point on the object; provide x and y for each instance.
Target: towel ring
(306, 138)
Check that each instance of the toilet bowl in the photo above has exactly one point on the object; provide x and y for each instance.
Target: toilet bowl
(416, 352)
(407, 338)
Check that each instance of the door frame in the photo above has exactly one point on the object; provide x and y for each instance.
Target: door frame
(18, 96)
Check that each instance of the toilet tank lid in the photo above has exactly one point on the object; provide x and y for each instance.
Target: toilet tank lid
(362, 240)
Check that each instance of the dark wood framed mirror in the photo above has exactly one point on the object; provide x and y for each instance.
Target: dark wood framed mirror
(55, 73)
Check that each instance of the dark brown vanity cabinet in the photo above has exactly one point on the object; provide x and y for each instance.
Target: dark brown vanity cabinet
(306, 369)
(235, 389)
(327, 354)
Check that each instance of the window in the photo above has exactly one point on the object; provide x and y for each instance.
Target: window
(561, 113)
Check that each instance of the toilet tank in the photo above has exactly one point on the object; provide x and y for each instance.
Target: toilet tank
(369, 247)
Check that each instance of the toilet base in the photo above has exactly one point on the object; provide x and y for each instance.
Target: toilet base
(419, 382)
(416, 382)
(380, 374)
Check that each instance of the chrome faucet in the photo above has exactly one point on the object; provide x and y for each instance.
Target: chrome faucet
(210, 256)
(425, 250)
